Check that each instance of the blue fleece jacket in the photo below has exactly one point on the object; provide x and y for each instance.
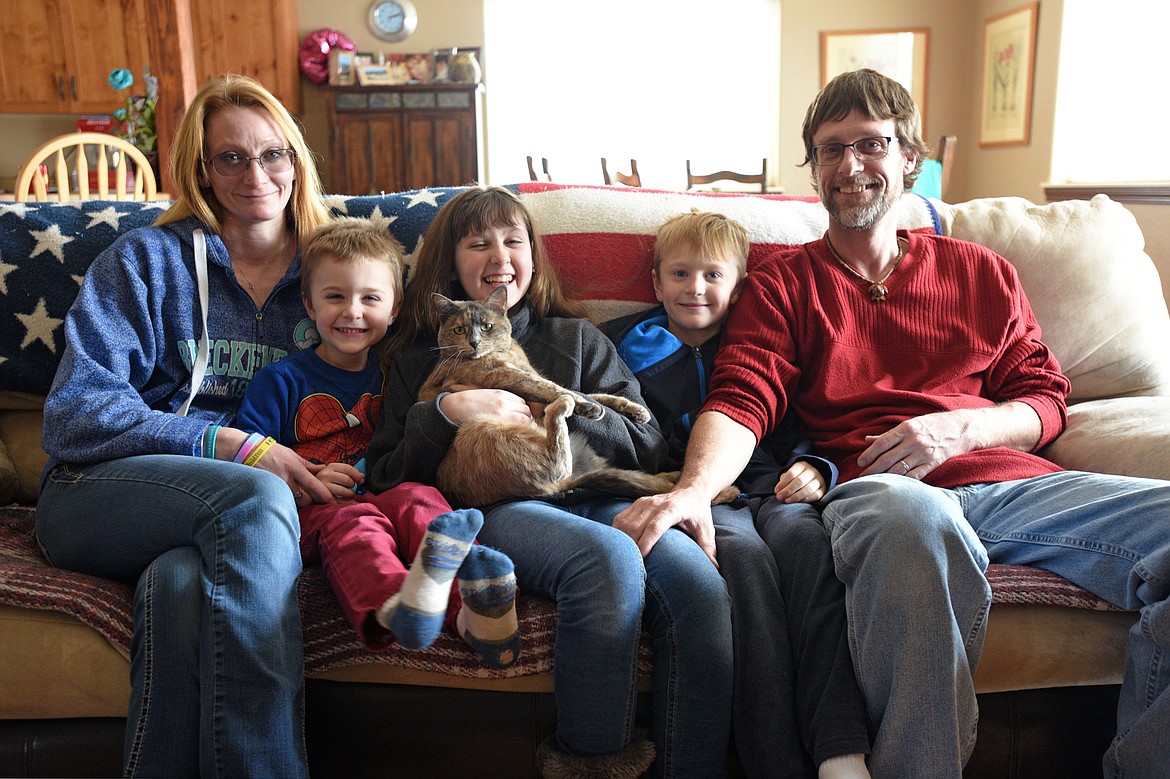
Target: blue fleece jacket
(131, 337)
(674, 380)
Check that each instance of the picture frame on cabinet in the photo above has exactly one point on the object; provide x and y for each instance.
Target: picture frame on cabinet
(420, 68)
(342, 72)
(441, 64)
(1009, 63)
(376, 75)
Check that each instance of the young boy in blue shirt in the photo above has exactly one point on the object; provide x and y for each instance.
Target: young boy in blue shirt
(324, 403)
(797, 709)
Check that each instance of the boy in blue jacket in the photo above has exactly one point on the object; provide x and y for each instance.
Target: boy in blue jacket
(797, 709)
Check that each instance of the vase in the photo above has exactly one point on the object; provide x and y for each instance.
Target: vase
(465, 68)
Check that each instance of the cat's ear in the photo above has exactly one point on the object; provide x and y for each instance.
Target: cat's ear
(445, 304)
(499, 298)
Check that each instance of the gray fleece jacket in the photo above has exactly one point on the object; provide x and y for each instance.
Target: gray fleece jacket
(412, 438)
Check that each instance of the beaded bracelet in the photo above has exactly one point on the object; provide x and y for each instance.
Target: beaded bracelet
(246, 448)
(209, 436)
(259, 451)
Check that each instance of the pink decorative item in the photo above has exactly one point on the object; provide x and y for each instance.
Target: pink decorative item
(314, 54)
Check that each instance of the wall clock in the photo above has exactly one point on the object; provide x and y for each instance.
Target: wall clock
(392, 20)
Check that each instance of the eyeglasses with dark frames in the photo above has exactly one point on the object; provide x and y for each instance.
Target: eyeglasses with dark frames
(231, 164)
(864, 150)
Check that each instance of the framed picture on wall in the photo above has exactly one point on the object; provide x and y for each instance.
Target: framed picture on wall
(900, 54)
(1009, 49)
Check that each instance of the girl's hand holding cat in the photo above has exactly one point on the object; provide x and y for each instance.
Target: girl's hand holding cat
(802, 483)
(341, 479)
(463, 403)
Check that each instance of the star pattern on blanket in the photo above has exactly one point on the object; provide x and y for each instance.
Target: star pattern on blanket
(46, 248)
(109, 216)
(39, 326)
(50, 240)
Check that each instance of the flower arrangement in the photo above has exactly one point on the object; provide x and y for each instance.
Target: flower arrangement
(136, 118)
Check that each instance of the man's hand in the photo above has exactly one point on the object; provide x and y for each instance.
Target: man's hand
(648, 518)
(917, 446)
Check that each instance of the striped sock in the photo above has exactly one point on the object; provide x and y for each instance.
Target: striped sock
(487, 619)
(415, 613)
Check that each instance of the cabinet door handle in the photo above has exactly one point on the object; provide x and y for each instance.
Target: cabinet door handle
(61, 87)
(73, 86)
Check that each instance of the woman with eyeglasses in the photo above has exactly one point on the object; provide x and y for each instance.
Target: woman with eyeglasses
(148, 482)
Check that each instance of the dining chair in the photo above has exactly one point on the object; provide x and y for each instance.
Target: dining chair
(934, 174)
(631, 179)
(761, 178)
(532, 171)
(49, 165)
(945, 154)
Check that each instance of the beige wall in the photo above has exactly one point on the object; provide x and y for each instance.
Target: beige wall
(952, 102)
(952, 87)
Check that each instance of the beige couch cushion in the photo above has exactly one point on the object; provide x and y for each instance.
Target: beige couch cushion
(21, 455)
(1126, 436)
(1094, 290)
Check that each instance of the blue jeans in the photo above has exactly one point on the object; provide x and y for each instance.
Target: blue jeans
(217, 671)
(912, 558)
(605, 593)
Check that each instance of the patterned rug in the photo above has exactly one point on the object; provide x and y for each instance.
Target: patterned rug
(27, 581)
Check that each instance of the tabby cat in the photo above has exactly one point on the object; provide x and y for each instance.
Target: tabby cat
(492, 460)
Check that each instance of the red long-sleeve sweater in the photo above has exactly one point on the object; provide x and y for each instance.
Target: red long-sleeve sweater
(955, 331)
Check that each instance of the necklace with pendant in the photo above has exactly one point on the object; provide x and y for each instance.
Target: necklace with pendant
(240, 273)
(244, 276)
(877, 289)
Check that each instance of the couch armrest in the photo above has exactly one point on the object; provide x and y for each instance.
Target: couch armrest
(1126, 436)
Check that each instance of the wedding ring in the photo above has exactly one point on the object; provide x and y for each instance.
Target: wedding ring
(905, 466)
(298, 494)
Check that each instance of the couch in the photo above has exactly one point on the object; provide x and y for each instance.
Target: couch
(1054, 655)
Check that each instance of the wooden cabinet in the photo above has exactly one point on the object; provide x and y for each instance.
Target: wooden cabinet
(57, 54)
(256, 38)
(389, 139)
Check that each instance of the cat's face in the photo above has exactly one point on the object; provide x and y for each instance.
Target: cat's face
(473, 328)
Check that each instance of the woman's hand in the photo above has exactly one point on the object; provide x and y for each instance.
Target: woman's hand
(463, 403)
(298, 473)
(801, 483)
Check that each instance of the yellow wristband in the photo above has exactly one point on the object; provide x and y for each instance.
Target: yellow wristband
(260, 450)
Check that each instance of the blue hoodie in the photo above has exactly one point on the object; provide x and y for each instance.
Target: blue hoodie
(131, 336)
(674, 379)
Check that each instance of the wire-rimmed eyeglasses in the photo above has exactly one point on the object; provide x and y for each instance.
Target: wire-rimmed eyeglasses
(231, 164)
(865, 149)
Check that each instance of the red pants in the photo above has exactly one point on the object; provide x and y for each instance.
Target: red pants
(366, 547)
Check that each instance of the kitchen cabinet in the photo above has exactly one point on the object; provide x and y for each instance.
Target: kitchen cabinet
(256, 38)
(57, 54)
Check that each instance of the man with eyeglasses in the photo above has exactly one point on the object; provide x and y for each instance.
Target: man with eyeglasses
(916, 365)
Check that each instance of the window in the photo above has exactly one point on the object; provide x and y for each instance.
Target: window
(1111, 109)
(660, 81)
